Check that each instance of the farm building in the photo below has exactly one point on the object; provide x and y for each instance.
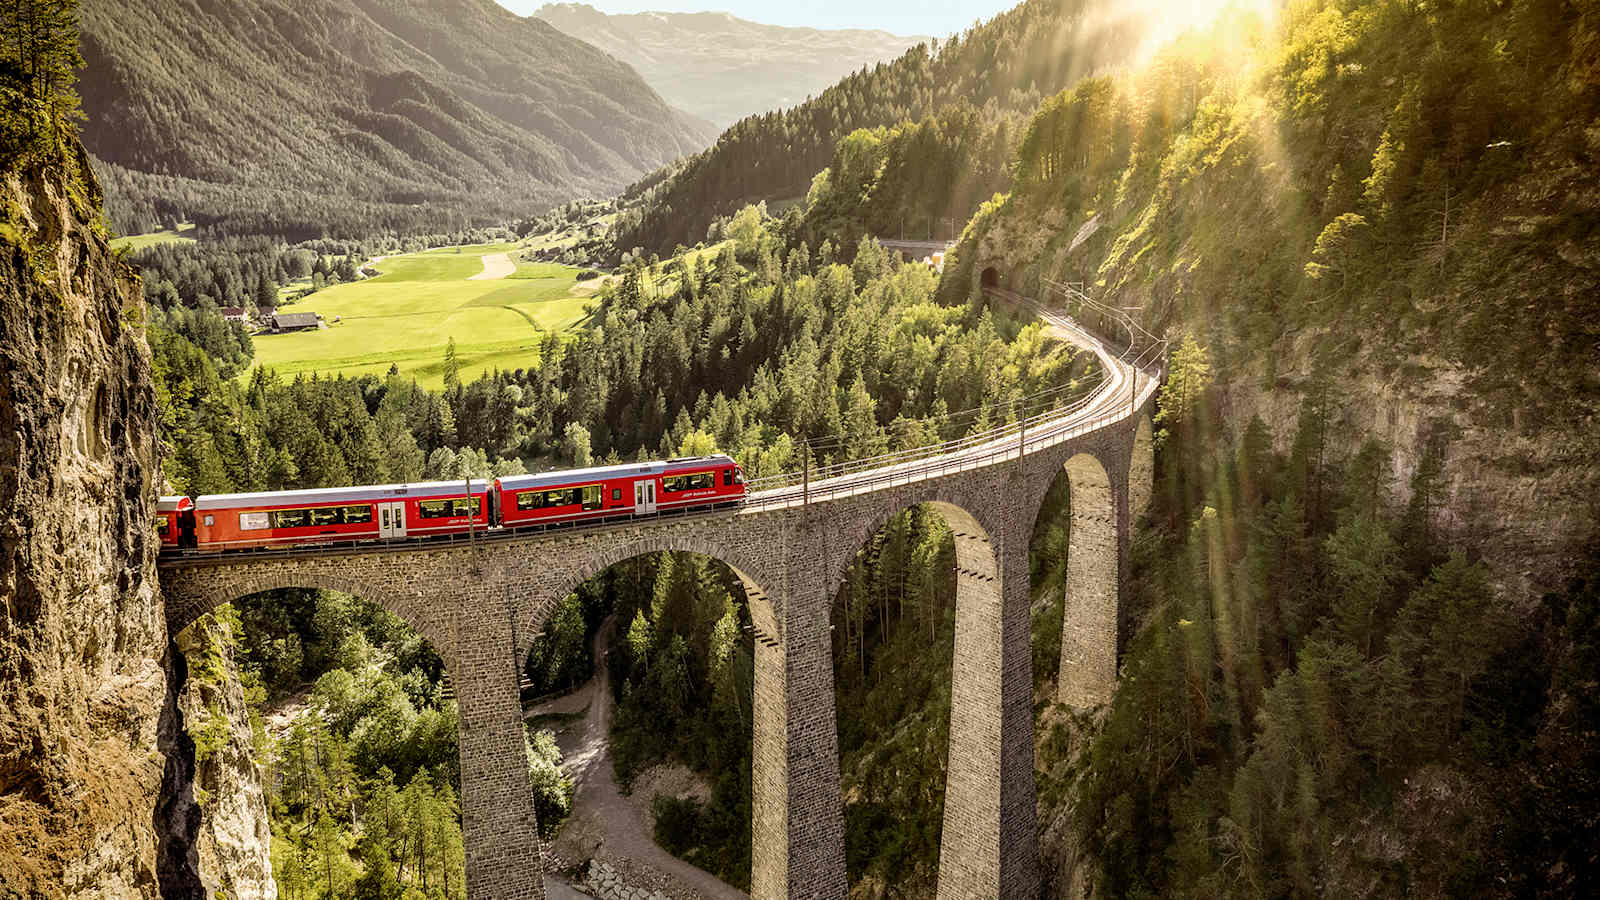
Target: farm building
(234, 314)
(280, 323)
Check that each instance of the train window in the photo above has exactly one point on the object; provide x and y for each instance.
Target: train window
(356, 515)
(727, 476)
(291, 518)
(588, 496)
(691, 482)
(162, 525)
(616, 494)
(326, 515)
(444, 509)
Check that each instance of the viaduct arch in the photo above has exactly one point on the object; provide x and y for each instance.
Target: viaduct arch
(481, 604)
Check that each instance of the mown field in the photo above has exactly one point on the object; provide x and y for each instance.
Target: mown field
(407, 316)
(182, 234)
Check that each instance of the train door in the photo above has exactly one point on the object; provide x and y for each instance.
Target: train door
(391, 520)
(644, 497)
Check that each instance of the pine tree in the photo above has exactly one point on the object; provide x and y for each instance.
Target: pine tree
(452, 368)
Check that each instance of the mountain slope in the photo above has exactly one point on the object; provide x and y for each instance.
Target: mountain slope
(721, 67)
(279, 116)
(999, 66)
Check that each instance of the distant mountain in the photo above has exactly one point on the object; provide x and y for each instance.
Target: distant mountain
(724, 68)
(305, 117)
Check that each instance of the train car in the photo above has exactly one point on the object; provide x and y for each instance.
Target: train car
(174, 522)
(319, 515)
(638, 489)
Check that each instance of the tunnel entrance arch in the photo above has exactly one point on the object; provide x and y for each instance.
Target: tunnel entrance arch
(989, 278)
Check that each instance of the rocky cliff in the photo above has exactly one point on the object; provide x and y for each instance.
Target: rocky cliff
(81, 629)
(234, 842)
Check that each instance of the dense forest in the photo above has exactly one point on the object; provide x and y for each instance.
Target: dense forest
(1325, 695)
(361, 757)
(1003, 66)
(343, 118)
(911, 180)
(1415, 167)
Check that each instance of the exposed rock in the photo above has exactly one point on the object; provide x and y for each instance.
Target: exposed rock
(81, 629)
(607, 883)
(234, 840)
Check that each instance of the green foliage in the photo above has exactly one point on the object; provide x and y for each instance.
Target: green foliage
(1300, 687)
(367, 773)
(38, 74)
(911, 180)
(683, 683)
(552, 789)
(1188, 376)
(1366, 182)
(893, 634)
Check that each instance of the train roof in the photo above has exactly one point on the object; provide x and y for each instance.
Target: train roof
(172, 504)
(597, 473)
(353, 494)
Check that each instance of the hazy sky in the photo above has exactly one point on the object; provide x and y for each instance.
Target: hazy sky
(933, 17)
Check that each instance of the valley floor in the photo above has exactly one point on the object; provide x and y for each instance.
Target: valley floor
(496, 310)
(605, 824)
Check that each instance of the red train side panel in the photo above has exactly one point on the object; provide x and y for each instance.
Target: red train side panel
(234, 521)
(621, 490)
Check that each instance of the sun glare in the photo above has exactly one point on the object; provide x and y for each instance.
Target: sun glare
(1167, 19)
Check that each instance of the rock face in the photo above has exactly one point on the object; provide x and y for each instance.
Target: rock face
(234, 843)
(81, 628)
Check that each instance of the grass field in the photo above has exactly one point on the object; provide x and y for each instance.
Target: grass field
(408, 314)
(181, 234)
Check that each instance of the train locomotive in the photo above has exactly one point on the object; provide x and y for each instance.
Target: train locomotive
(225, 522)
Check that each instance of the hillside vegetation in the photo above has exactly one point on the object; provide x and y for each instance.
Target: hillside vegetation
(347, 117)
(1357, 667)
(1395, 197)
(1004, 65)
(723, 68)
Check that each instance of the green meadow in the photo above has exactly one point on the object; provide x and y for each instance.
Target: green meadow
(182, 234)
(407, 315)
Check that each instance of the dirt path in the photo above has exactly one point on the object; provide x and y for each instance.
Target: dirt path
(604, 823)
(495, 267)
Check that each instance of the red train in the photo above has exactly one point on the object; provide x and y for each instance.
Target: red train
(218, 522)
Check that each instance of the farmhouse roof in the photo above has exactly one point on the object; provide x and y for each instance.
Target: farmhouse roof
(295, 320)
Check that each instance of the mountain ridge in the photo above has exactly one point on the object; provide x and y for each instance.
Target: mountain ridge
(348, 112)
(722, 67)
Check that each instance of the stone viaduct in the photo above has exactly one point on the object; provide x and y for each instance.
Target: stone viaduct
(482, 604)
